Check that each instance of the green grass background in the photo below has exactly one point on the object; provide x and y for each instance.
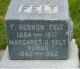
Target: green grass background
(74, 13)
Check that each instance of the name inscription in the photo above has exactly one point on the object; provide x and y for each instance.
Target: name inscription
(38, 39)
(37, 9)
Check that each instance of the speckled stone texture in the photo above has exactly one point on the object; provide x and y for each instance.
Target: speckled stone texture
(38, 36)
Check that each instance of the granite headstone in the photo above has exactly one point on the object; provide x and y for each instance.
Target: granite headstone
(38, 29)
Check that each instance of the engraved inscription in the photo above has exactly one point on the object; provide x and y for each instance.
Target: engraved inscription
(38, 9)
(38, 39)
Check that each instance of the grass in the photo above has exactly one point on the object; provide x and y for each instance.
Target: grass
(74, 13)
(3, 8)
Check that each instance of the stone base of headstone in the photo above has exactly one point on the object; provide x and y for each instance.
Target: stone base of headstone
(71, 62)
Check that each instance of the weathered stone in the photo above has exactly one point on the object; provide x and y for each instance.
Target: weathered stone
(37, 33)
(71, 62)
